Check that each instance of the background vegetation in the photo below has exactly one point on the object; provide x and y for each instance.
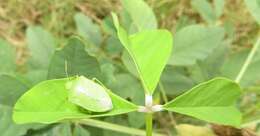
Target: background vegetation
(30, 28)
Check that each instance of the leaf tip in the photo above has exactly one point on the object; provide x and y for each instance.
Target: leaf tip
(115, 19)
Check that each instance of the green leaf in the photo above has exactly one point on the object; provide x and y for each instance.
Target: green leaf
(87, 29)
(149, 50)
(254, 8)
(210, 13)
(48, 102)
(62, 129)
(10, 89)
(121, 32)
(194, 43)
(136, 119)
(8, 127)
(128, 23)
(80, 131)
(41, 45)
(209, 68)
(234, 63)
(128, 87)
(175, 80)
(205, 10)
(36, 76)
(125, 85)
(129, 63)
(89, 95)
(7, 57)
(219, 6)
(113, 46)
(212, 101)
(141, 14)
(108, 71)
(184, 21)
(75, 60)
(108, 26)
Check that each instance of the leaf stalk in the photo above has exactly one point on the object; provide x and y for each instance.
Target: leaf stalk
(248, 61)
(149, 116)
(115, 127)
(149, 124)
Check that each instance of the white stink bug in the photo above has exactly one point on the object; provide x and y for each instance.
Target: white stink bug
(89, 95)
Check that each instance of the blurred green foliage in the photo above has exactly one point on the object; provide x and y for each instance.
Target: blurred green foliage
(211, 38)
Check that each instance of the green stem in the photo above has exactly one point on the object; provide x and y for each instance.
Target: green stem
(248, 61)
(114, 127)
(149, 124)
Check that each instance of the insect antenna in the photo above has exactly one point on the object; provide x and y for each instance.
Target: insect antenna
(66, 68)
(99, 82)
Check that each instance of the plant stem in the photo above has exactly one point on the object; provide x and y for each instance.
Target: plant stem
(114, 127)
(149, 124)
(165, 99)
(149, 115)
(248, 61)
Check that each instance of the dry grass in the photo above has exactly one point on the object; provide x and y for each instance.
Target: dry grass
(57, 16)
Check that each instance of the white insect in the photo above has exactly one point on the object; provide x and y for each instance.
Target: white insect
(89, 95)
